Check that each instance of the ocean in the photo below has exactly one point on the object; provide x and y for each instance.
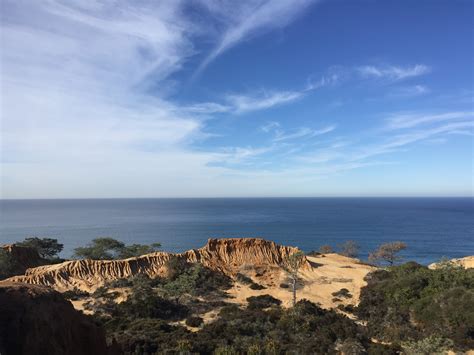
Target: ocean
(432, 227)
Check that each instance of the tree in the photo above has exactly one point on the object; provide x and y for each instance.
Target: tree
(100, 249)
(293, 263)
(350, 249)
(388, 253)
(107, 248)
(132, 250)
(326, 249)
(47, 248)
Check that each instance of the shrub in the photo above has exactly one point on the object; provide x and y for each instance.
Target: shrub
(432, 345)
(255, 286)
(263, 301)
(75, 294)
(343, 292)
(326, 249)
(194, 321)
(107, 248)
(411, 302)
(388, 253)
(47, 248)
(244, 279)
(349, 248)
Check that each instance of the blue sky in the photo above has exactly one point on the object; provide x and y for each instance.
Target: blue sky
(209, 98)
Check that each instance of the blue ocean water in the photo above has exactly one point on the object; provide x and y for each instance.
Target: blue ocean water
(432, 227)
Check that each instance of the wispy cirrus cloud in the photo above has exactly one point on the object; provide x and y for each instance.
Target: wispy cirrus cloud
(392, 72)
(302, 132)
(244, 103)
(409, 91)
(280, 135)
(239, 103)
(243, 20)
(408, 120)
(262, 100)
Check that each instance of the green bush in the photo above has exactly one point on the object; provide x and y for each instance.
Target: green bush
(107, 248)
(47, 248)
(343, 292)
(263, 301)
(194, 321)
(432, 345)
(411, 302)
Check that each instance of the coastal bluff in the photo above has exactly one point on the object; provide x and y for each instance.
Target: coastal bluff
(262, 261)
(38, 320)
(228, 255)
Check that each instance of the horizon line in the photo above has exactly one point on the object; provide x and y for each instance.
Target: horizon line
(234, 197)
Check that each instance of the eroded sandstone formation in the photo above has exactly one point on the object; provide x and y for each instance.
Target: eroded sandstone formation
(466, 262)
(38, 320)
(224, 255)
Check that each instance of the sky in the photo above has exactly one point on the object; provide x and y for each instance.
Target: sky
(223, 98)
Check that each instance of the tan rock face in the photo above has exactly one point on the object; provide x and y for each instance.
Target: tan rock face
(38, 320)
(466, 262)
(224, 255)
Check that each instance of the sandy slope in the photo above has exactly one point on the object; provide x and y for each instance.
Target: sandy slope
(329, 273)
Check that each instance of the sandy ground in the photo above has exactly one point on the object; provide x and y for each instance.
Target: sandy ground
(330, 273)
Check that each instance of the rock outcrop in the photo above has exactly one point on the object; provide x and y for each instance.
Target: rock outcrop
(466, 262)
(38, 320)
(224, 255)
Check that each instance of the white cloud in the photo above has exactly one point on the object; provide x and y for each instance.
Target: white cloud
(401, 140)
(302, 132)
(262, 100)
(410, 91)
(84, 113)
(270, 126)
(74, 95)
(207, 108)
(243, 20)
(408, 120)
(393, 73)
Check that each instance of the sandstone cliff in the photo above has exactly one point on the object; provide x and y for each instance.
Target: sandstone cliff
(38, 320)
(224, 255)
(466, 262)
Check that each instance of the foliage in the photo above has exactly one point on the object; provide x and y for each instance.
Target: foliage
(349, 248)
(431, 345)
(248, 281)
(326, 249)
(262, 301)
(343, 292)
(47, 248)
(256, 286)
(351, 347)
(411, 302)
(141, 324)
(75, 294)
(293, 263)
(132, 250)
(107, 248)
(243, 279)
(194, 321)
(388, 253)
(196, 280)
